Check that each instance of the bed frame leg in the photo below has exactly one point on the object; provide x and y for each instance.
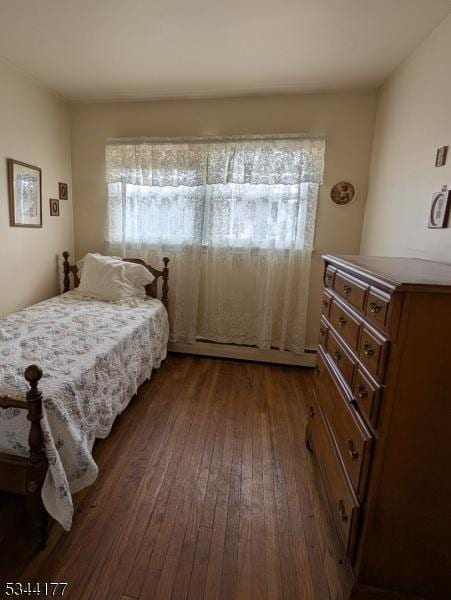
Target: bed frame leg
(37, 470)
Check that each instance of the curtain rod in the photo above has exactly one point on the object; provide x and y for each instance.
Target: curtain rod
(203, 139)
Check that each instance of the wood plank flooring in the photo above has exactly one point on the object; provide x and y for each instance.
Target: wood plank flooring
(205, 490)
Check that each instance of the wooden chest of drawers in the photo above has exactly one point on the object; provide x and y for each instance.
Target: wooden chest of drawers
(380, 422)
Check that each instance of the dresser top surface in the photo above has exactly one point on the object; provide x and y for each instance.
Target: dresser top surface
(396, 272)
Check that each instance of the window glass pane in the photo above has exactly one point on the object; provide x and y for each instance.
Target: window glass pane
(252, 216)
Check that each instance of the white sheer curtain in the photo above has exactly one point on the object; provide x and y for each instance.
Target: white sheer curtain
(237, 219)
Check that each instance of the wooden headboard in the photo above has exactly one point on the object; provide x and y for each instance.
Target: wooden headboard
(151, 289)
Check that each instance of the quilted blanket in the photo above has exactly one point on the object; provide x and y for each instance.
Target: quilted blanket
(94, 355)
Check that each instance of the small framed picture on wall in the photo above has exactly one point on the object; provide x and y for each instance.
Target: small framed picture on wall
(439, 212)
(54, 207)
(63, 191)
(440, 157)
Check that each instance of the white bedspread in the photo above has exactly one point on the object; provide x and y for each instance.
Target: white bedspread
(94, 356)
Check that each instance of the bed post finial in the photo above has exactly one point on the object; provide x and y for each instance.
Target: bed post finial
(33, 374)
(37, 469)
(66, 270)
(165, 288)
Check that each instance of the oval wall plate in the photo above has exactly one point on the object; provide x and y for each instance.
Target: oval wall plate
(342, 193)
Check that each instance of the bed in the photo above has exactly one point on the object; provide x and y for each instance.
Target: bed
(69, 365)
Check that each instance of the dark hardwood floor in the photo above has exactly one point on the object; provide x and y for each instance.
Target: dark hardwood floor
(205, 490)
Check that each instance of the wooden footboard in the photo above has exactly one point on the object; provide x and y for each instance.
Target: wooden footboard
(26, 476)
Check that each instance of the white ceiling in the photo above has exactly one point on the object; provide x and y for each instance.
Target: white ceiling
(144, 49)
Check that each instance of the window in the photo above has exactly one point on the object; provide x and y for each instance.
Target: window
(241, 194)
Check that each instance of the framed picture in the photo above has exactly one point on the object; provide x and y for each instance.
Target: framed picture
(54, 207)
(440, 157)
(25, 195)
(438, 215)
(62, 188)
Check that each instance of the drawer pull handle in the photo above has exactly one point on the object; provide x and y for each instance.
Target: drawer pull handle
(329, 276)
(368, 349)
(352, 451)
(338, 355)
(317, 370)
(342, 322)
(325, 303)
(322, 331)
(347, 289)
(362, 392)
(375, 307)
(311, 411)
(342, 511)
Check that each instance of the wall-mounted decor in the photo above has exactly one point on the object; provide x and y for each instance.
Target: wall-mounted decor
(438, 215)
(25, 196)
(63, 193)
(54, 207)
(342, 193)
(440, 157)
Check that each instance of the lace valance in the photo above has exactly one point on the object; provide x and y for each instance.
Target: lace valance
(196, 163)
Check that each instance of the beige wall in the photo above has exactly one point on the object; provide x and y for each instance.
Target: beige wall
(346, 119)
(413, 120)
(34, 128)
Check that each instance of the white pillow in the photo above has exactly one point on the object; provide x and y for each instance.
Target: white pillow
(109, 278)
(81, 262)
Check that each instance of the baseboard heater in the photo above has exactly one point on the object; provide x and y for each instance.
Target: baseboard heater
(219, 350)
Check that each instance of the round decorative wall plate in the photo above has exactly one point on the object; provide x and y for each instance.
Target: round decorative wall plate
(342, 193)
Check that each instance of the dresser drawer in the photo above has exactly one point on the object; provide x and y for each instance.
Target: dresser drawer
(329, 276)
(343, 502)
(377, 307)
(326, 303)
(353, 439)
(341, 357)
(373, 351)
(323, 329)
(347, 324)
(351, 289)
(367, 394)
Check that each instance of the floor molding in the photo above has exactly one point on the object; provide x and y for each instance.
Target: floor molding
(307, 359)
